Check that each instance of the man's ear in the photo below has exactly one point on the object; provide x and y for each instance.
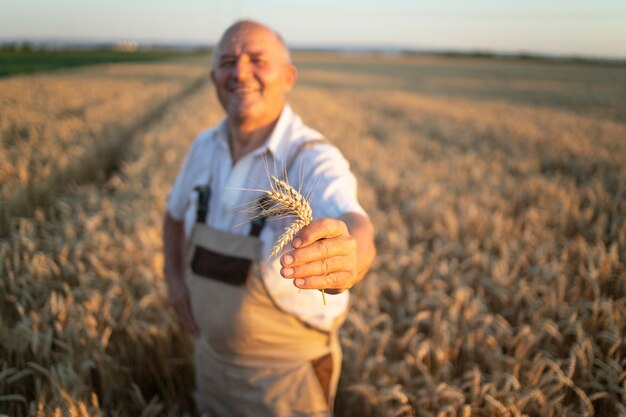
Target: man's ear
(291, 75)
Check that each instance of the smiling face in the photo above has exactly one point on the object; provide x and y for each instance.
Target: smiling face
(252, 75)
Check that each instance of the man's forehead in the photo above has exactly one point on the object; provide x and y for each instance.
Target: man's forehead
(250, 39)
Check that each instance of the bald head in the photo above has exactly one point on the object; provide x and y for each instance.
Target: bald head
(246, 26)
(252, 75)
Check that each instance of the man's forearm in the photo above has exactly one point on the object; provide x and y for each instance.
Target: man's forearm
(173, 241)
(178, 293)
(362, 230)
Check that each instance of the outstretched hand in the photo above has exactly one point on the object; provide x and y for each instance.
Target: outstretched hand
(324, 257)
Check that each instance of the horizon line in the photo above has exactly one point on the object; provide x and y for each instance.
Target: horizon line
(309, 46)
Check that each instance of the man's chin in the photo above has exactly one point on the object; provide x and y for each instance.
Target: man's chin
(252, 114)
(240, 113)
(243, 115)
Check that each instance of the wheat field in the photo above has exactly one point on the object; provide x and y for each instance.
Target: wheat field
(498, 192)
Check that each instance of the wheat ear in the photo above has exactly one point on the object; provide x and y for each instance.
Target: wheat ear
(287, 236)
(284, 200)
(287, 200)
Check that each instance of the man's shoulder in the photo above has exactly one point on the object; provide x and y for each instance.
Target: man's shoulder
(308, 146)
(300, 136)
(298, 131)
(314, 152)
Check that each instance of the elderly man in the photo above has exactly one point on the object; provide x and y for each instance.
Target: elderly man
(265, 344)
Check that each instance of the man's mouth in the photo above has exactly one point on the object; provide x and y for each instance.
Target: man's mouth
(243, 90)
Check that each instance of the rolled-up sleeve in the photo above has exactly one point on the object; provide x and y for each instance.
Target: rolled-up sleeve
(178, 198)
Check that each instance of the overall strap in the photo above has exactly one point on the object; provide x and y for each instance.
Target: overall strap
(257, 224)
(204, 194)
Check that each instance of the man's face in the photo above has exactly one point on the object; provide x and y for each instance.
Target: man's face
(252, 76)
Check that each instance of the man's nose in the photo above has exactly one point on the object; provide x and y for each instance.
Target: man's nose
(243, 68)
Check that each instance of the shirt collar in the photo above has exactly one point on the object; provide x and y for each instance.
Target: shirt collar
(274, 144)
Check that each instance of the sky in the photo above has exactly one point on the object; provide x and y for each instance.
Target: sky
(575, 27)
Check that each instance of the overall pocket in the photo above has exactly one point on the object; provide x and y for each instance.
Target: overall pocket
(228, 269)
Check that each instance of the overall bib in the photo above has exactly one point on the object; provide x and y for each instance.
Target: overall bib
(251, 358)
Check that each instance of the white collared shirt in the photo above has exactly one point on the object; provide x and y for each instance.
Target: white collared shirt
(320, 172)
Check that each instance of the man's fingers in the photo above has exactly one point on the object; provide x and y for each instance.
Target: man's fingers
(320, 229)
(321, 249)
(337, 281)
(321, 267)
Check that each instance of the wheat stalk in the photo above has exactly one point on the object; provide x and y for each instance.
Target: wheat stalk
(284, 200)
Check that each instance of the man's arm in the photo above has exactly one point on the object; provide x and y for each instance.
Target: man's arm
(178, 293)
(331, 254)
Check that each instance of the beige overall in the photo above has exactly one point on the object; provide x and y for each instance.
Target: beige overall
(251, 358)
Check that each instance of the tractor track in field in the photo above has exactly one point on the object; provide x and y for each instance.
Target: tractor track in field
(102, 159)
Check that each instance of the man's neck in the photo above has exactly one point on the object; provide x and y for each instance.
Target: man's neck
(242, 141)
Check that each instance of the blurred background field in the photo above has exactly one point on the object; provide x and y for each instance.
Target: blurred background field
(27, 59)
(498, 191)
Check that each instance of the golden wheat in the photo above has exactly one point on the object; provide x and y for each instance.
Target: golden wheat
(75, 261)
(499, 286)
(287, 235)
(284, 200)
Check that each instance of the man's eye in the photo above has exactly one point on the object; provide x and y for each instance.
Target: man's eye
(227, 63)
